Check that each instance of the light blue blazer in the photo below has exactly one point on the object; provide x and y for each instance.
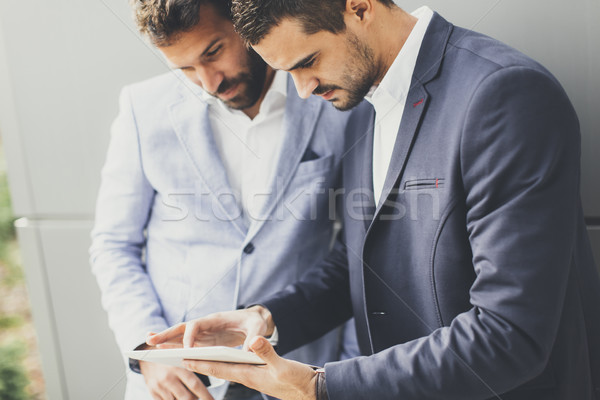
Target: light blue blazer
(170, 243)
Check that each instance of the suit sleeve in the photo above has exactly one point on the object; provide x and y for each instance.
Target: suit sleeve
(321, 300)
(317, 304)
(520, 169)
(122, 211)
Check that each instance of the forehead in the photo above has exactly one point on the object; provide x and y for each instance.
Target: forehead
(287, 43)
(189, 44)
(212, 21)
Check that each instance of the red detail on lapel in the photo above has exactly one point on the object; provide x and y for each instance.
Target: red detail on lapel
(437, 181)
(418, 102)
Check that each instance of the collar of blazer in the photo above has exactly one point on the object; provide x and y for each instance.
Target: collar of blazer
(189, 117)
(427, 68)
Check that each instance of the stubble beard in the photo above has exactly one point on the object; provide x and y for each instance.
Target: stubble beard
(361, 76)
(251, 81)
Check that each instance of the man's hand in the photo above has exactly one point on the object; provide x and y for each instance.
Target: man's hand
(232, 328)
(281, 378)
(167, 383)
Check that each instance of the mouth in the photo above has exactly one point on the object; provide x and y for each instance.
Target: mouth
(328, 95)
(230, 93)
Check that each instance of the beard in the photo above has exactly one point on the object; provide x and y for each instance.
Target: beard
(361, 73)
(251, 83)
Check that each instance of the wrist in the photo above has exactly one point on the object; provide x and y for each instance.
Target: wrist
(136, 365)
(267, 318)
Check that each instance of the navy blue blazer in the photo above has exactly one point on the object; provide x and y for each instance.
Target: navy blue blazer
(475, 278)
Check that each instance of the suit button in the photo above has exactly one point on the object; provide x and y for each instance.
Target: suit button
(249, 249)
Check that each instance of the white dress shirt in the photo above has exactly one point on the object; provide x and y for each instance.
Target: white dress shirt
(389, 99)
(249, 148)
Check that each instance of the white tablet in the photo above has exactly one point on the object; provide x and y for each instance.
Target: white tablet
(214, 353)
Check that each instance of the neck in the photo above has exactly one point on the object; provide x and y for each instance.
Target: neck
(391, 32)
(253, 111)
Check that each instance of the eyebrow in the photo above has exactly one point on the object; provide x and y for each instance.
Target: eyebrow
(302, 62)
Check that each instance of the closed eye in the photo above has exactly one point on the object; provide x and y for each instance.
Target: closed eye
(306, 62)
(213, 52)
(309, 63)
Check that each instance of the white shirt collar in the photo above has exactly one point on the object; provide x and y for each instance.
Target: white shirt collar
(396, 82)
(279, 84)
(276, 94)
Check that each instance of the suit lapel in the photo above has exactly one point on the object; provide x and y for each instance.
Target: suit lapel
(367, 175)
(431, 55)
(190, 120)
(298, 127)
(406, 135)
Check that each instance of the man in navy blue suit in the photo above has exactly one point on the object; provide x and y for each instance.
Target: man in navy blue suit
(465, 260)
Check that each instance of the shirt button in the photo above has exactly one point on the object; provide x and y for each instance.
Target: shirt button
(249, 249)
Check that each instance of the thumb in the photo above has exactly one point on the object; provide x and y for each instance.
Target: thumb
(251, 336)
(262, 348)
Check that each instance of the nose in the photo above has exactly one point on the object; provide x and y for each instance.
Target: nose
(209, 78)
(305, 84)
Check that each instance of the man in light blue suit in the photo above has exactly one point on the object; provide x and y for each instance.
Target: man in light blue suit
(215, 190)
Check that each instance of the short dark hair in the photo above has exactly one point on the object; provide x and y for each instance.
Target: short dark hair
(163, 20)
(254, 19)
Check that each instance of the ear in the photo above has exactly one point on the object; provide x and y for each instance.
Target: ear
(361, 10)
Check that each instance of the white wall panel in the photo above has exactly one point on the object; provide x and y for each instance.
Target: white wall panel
(79, 356)
(66, 61)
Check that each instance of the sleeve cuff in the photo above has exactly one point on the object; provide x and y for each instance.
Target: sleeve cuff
(274, 339)
(134, 365)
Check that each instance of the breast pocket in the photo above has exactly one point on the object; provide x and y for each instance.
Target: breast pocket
(426, 183)
(315, 166)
